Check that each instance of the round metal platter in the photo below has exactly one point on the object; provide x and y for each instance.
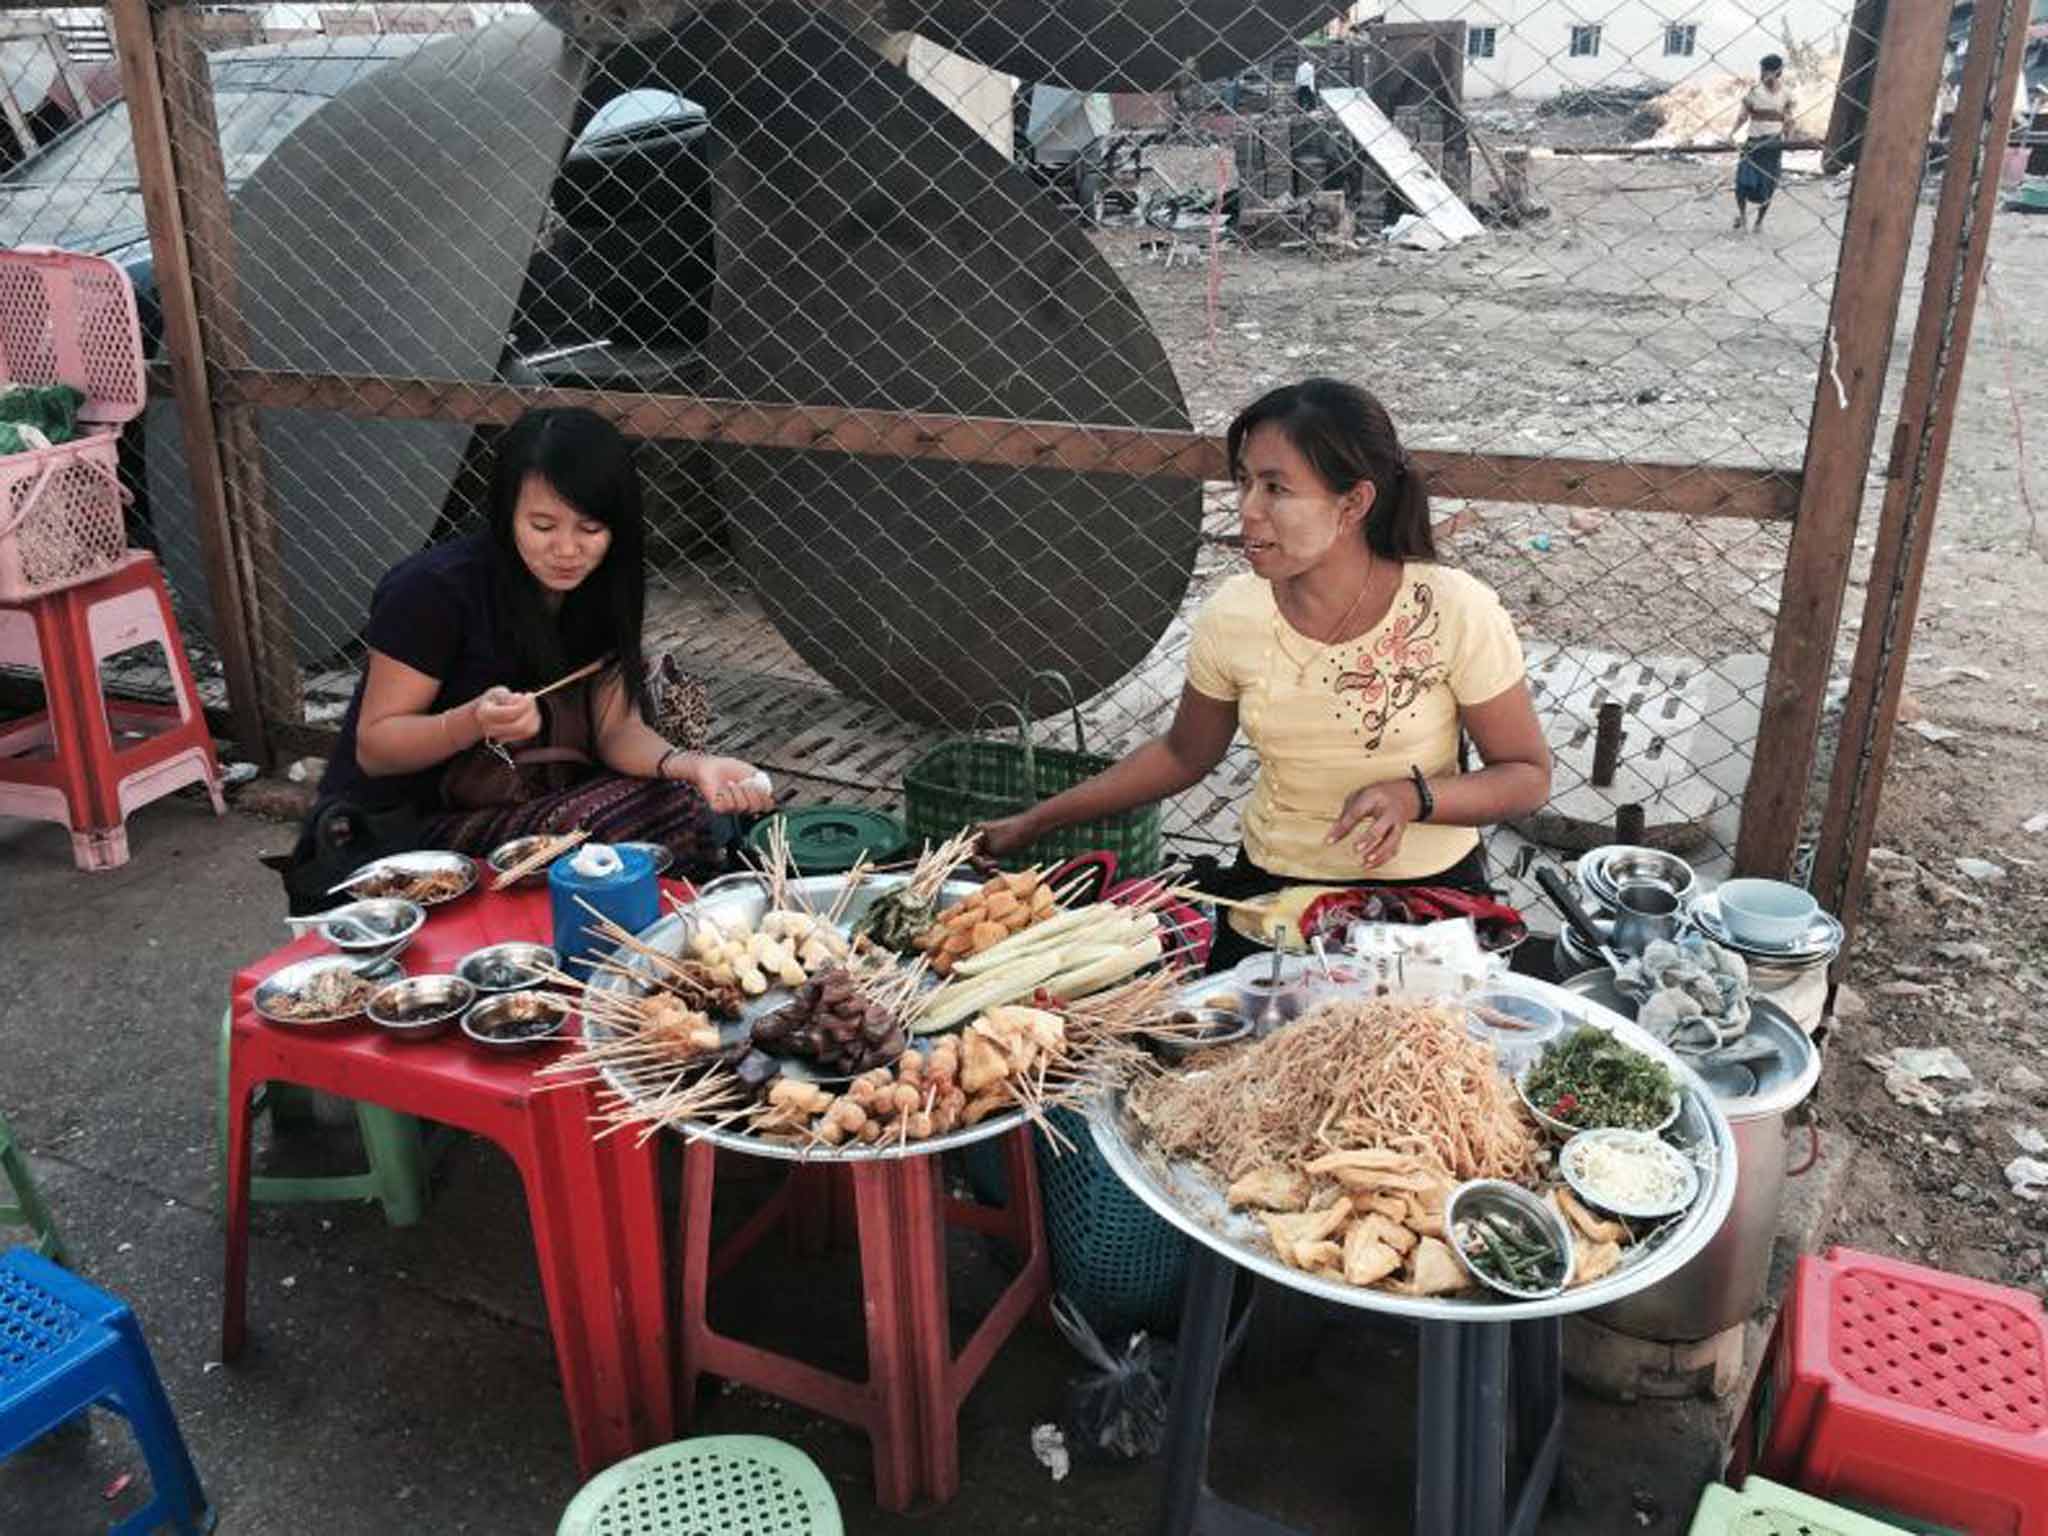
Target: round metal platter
(746, 900)
(1192, 1199)
(426, 861)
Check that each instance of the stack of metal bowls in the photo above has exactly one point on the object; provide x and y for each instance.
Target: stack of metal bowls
(1770, 965)
(1601, 875)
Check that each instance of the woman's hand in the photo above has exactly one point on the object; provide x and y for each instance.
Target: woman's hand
(730, 785)
(503, 715)
(1379, 813)
(1008, 835)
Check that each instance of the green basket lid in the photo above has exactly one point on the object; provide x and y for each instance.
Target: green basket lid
(826, 839)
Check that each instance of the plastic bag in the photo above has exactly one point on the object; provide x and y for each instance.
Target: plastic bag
(1116, 1410)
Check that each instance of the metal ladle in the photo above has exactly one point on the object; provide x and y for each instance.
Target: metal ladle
(1270, 1017)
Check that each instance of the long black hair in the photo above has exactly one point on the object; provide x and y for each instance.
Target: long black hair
(588, 462)
(1347, 437)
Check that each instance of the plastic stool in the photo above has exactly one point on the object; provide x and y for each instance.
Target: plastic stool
(86, 760)
(1765, 1509)
(399, 1157)
(1917, 1395)
(27, 1208)
(739, 1483)
(66, 1346)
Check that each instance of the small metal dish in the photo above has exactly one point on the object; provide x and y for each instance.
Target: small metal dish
(382, 925)
(516, 1021)
(274, 995)
(1200, 1029)
(420, 1007)
(1510, 1209)
(423, 862)
(1640, 1143)
(510, 855)
(513, 967)
(1564, 1130)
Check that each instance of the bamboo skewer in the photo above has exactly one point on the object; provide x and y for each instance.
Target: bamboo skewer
(554, 846)
(574, 677)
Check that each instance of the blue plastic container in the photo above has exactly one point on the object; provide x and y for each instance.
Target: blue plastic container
(631, 898)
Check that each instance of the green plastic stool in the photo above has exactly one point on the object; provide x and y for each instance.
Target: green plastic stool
(738, 1483)
(1765, 1508)
(399, 1157)
(26, 1209)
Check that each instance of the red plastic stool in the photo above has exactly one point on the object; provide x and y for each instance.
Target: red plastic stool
(86, 760)
(1904, 1390)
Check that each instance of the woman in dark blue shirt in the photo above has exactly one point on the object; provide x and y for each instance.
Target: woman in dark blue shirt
(463, 636)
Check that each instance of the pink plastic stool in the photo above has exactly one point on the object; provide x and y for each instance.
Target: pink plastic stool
(86, 760)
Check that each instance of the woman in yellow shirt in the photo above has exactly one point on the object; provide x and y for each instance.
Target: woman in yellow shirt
(1353, 662)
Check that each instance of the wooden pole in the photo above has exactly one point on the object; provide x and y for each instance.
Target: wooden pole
(184, 187)
(1877, 237)
(1927, 407)
(1852, 89)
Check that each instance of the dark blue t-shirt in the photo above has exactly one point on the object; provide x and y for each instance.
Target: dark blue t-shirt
(437, 613)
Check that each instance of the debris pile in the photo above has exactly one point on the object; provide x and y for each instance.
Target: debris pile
(1703, 109)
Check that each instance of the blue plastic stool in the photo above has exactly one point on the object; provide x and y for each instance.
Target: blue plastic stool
(66, 1346)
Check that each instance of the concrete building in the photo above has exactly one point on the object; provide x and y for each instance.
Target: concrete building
(1536, 48)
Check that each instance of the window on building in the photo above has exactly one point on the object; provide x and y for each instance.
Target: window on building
(1679, 41)
(1586, 42)
(1480, 41)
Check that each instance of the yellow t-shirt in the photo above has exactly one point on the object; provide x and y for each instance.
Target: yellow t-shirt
(1326, 722)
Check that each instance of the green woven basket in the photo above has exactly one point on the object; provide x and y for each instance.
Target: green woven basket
(969, 779)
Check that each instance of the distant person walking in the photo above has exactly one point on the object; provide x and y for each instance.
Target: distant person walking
(1305, 84)
(1767, 110)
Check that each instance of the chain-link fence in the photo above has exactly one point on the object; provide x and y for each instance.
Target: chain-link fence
(930, 312)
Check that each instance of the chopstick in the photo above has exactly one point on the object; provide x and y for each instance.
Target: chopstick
(574, 677)
(553, 846)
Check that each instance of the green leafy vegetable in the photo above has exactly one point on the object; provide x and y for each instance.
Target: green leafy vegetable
(1592, 1079)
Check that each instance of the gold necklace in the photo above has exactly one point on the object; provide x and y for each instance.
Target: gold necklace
(1322, 647)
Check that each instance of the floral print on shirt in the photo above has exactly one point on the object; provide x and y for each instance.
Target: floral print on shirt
(1402, 664)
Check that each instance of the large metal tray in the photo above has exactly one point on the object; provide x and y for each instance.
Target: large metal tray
(1189, 1197)
(746, 899)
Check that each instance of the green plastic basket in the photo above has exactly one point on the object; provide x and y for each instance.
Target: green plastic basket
(969, 779)
(1765, 1508)
(1113, 1258)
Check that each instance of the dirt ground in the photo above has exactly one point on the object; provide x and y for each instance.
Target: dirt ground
(1634, 321)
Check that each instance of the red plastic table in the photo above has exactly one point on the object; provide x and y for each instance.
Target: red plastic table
(594, 1205)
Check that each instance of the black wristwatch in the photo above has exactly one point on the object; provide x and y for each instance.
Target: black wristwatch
(1425, 802)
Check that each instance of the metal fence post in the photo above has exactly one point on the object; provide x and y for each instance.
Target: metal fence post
(177, 149)
(1856, 346)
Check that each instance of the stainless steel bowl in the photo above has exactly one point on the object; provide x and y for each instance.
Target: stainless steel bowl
(513, 1021)
(506, 967)
(382, 925)
(1523, 1212)
(1604, 871)
(276, 993)
(509, 855)
(1211, 1027)
(421, 1007)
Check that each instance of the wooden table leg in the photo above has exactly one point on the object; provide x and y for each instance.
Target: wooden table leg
(693, 1320)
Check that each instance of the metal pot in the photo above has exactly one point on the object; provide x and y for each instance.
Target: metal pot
(1724, 1283)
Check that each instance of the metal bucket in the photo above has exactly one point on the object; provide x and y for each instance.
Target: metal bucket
(1724, 1283)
